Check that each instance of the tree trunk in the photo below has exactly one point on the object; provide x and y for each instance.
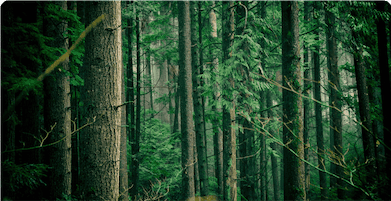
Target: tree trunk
(292, 104)
(100, 141)
(385, 94)
(276, 183)
(319, 124)
(306, 102)
(123, 169)
(334, 100)
(130, 121)
(229, 137)
(198, 114)
(185, 84)
(58, 113)
(365, 116)
(135, 139)
(217, 137)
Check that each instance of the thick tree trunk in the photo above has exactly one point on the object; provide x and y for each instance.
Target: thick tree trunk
(185, 84)
(100, 141)
(58, 113)
(292, 107)
(385, 94)
(229, 137)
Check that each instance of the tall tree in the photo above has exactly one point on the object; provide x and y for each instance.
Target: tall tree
(294, 188)
(198, 114)
(100, 142)
(263, 114)
(217, 137)
(229, 137)
(185, 86)
(318, 119)
(334, 99)
(364, 110)
(123, 169)
(385, 92)
(135, 139)
(57, 113)
(306, 102)
(130, 120)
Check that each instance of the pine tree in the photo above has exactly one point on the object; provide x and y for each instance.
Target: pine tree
(100, 142)
(294, 188)
(185, 90)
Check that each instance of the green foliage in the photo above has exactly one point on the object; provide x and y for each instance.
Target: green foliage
(159, 157)
(23, 176)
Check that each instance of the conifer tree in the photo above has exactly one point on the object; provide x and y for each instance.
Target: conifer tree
(101, 95)
(294, 188)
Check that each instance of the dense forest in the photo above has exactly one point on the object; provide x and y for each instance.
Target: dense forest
(195, 100)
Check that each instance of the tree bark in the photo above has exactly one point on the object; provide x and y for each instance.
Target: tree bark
(57, 113)
(294, 188)
(229, 137)
(100, 141)
(185, 84)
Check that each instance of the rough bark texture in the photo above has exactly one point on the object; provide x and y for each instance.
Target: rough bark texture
(294, 188)
(58, 113)
(334, 100)
(185, 86)
(229, 137)
(100, 142)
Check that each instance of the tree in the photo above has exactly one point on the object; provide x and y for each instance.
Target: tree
(334, 100)
(100, 142)
(185, 87)
(135, 139)
(123, 169)
(385, 92)
(57, 113)
(217, 137)
(276, 183)
(198, 114)
(364, 110)
(229, 137)
(294, 188)
(318, 119)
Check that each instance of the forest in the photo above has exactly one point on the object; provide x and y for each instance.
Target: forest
(195, 100)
